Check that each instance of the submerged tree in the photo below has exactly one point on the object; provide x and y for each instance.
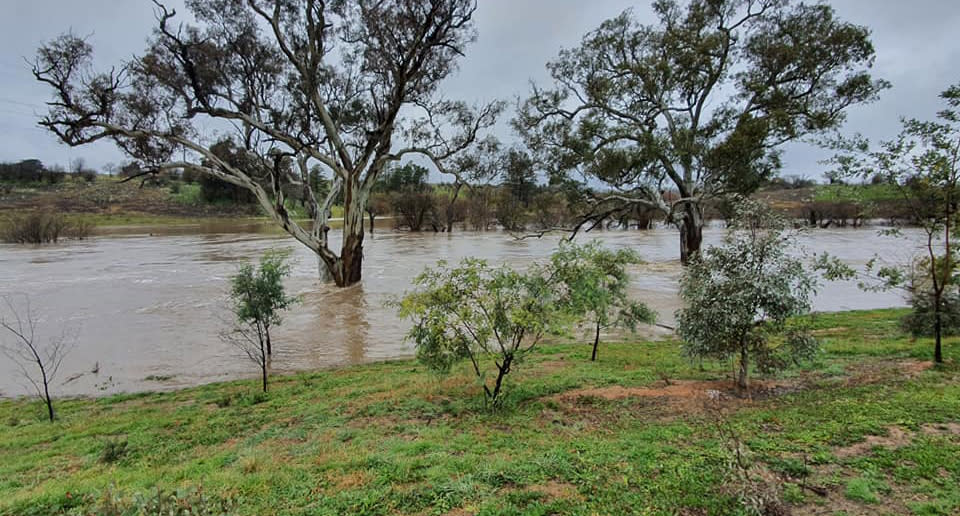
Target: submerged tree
(696, 106)
(294, 83)
(741, 297)
(258, 299)
(923, 164)
(38, 362)
(595, 282)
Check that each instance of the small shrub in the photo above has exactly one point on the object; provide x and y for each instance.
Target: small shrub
(920, 321)
(489, 316)
(113, 450)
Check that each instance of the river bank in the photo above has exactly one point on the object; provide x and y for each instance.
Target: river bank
(869, 427)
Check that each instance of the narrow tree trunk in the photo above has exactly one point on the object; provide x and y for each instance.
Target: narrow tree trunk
(263, 369)
(372, 217)
(502, 371)
(450, 206)
(691, 232)
(596, 342)
(266, 331)
(937, 331)
(46, 398)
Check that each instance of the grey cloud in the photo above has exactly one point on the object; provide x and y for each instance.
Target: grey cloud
(915, 41)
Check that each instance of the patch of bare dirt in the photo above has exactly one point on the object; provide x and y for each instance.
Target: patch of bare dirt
(896, 437)
(554, 490)
(683, 389)
(348, 480)
(942, 429)
(913, 367)
(664, 400)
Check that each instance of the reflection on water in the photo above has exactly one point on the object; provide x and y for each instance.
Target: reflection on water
(151, 305)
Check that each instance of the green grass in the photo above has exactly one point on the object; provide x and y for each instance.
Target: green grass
(393, 438)
(855, 193)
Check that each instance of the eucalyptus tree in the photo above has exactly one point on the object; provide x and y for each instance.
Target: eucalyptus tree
(695, 106)
(295, 83)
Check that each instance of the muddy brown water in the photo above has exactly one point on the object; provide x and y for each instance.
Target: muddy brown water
(146, 304)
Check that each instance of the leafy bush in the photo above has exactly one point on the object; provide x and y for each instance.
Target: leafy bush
(594, 285)
(489, 316)
(920, 321)
(742, 297)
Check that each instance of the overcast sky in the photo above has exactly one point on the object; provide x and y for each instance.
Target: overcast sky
(916, 42)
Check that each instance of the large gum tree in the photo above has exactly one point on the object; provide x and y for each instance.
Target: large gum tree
(696, 105)
(349, 86)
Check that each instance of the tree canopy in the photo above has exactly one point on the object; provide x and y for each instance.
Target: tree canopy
(294, 83)
(697, 105)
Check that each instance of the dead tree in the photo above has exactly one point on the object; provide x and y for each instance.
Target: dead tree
(38, 363)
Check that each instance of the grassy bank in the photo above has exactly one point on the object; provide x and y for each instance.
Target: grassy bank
(870, 428)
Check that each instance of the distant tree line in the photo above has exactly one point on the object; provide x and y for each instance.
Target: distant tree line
(34, 171)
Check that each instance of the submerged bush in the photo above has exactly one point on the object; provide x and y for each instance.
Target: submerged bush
(33, 228)
(42, 227)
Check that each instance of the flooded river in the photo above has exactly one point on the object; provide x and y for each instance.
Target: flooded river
(146, 308)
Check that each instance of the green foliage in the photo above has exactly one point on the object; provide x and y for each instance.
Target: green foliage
(921, 320)
(702, 99)
(258, 299)
(408, 178)
(113, 450)
(258, 294)
(923, 165)
(595, 282)
(482, 314)
(741, 298)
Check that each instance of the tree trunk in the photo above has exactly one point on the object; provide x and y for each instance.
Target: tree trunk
(264, 363)
(937, 331)
(691, 232)
(502, 371)
(46, 398)
(372, 217)
(347, 269)
(450, 206)
(742, 377)
(266, 331)
(596, 343)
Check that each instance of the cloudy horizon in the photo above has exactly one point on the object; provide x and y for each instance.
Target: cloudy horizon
(916, 52)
